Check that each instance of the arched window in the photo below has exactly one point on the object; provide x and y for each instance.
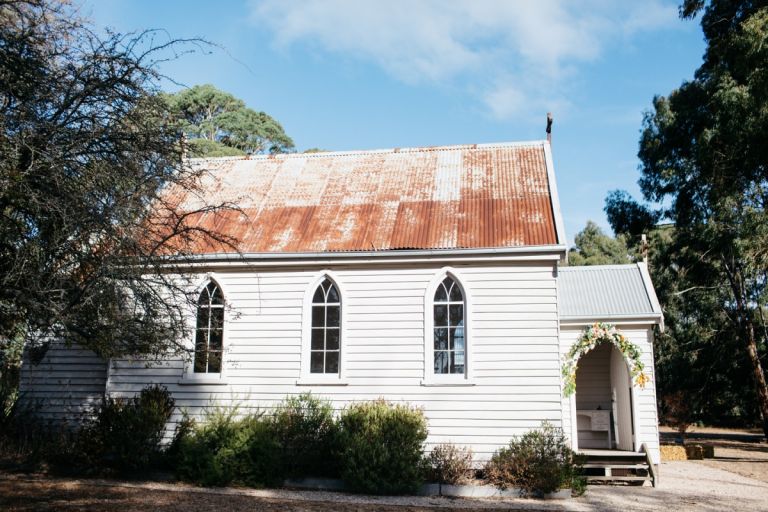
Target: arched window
(449, 328)
(325, 339)
(209, 334)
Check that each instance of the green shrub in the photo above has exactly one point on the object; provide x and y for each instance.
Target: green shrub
(184, 429)
(539, 462)
(226, 449)
(125, 435)
(450, 464)
(28, 442)
(11, 349)
(382, 447)
(308, 434)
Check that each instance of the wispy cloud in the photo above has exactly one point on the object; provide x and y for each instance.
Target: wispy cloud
(515, 57)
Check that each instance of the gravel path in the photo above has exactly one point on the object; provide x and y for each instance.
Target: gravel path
(685, 486)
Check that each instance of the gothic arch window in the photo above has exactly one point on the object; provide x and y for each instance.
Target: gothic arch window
(325, 336)
(449, 328)
(209, 332)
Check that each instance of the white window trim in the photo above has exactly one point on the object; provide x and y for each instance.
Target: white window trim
(454, 379)
(307, 378)
(189, 377)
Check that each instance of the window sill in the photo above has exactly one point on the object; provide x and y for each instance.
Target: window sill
(463, 383)
(309, 381)
(202, 381)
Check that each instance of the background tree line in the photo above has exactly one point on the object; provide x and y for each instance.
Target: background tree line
(704, 180)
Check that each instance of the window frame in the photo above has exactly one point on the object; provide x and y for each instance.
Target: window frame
(450, 379)
(306, 377)
(190, 377)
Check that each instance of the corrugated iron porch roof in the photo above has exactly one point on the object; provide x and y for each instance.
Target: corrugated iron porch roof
(605, 292)
(452, 197)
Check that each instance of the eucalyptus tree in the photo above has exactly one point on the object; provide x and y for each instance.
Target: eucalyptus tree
(704, 165)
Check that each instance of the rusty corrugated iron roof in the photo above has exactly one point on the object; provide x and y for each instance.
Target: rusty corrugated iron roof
(471, 196)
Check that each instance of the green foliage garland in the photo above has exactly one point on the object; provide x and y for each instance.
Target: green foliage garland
(592, 336)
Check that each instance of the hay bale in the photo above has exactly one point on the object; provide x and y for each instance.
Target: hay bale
(670, 452)
(694, 451)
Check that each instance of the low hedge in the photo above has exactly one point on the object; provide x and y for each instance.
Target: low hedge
(382, 447)
(228, 449)
(539, 462)
(306, 430)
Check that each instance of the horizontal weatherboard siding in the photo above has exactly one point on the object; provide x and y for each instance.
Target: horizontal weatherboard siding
(67, 384)
(513, 329)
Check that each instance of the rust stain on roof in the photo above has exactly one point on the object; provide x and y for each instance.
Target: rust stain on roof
(473, 196)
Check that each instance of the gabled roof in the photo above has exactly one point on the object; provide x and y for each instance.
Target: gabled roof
(607, 292)
(453, 197)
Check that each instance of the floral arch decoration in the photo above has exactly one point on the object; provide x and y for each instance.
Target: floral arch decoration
(593, 336)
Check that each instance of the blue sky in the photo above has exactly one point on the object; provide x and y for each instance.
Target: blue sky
(344, 74)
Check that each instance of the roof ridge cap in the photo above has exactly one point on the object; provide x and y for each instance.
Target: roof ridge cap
(614, 266)
(355, 152)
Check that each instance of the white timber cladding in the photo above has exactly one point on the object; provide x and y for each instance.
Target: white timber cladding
(593, 385)
(644, 399)
(514, 364)
(66, 385)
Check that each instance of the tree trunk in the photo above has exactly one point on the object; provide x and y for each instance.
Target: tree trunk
(747, 329)
(757, 373)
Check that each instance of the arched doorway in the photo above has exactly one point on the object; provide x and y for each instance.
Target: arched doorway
(604, 411)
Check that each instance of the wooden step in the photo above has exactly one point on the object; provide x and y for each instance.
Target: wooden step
(609, 455)
(631, 466)
(618, 478)
(616, 466)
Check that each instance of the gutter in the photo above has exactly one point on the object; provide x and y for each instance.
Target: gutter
(642, 318)
(542, 252)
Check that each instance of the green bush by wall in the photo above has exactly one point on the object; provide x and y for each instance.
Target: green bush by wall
(382, 447)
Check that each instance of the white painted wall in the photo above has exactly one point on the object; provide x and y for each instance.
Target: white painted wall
(621, 393)
(513, 348)
(593, 390)
(68, 383)
(646, 418)
(515, 344)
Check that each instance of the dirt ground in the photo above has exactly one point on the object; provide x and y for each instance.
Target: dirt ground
(743, 452)
(37, 493)
(735, 480)
(684, 486)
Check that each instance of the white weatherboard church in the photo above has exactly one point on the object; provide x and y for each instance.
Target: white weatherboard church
(434, 276)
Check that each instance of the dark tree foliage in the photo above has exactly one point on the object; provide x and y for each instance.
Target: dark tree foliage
(697, 355)
(627, 216)
(705, 163)
(85, 150)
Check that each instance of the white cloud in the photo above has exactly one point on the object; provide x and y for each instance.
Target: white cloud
(501, 50)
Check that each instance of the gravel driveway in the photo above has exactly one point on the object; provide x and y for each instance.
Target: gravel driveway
(684, 486)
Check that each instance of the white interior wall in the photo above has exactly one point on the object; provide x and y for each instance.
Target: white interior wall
(593, 391)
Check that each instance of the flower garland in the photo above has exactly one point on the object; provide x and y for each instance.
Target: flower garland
(592, 336)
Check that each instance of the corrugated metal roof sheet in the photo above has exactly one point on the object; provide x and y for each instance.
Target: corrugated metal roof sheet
(605, 291)
(472, 196)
